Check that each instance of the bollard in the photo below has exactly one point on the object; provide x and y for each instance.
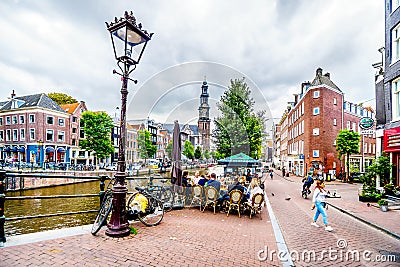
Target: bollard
(102, 186)
(2, 199)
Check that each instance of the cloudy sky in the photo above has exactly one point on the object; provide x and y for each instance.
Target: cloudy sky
(63, 46)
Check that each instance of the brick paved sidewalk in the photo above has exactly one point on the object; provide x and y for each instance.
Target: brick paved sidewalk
(349, 235)
(185, 237)
(349, 203)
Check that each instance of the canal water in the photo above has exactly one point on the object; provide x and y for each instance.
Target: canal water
(31, 207)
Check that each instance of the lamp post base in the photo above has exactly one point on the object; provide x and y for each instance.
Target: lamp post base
(118, 226)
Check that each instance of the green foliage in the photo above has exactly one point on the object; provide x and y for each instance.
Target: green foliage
(168, 149)
(97, 128)
(197, 153)
(239, 128)
(188, 150)
(381, 167)
(347, 143)
(146, 148)
(61, 98)
(382, 202)
(133, 230)
(207, 154)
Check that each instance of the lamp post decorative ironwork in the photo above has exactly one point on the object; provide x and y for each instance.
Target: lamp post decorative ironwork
(40, 147)
(129, 41)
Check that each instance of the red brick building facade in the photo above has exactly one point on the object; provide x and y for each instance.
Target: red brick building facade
(314, 120)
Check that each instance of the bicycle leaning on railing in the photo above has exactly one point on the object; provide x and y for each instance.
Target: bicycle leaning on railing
(141, 206)
(162, 192)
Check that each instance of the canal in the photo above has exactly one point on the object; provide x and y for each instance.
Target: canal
(30, 207)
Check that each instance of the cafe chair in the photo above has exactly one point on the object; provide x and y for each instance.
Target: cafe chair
(197, 195)
(211, 196)
(235, 197)
(255, 204)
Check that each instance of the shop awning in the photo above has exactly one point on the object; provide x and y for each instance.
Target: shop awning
(60, 150)
(49, 149)
(21, 149)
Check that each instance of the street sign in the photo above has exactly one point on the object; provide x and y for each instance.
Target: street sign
(366, 123)
(367, 131)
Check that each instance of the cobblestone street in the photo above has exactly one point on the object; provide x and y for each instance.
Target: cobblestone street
(295, 216)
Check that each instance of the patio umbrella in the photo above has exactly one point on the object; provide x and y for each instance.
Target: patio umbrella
(176, 170)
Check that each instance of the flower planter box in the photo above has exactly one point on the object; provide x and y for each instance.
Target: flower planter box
(367, 199)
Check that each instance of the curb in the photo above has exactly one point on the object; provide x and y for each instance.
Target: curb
(393, 234)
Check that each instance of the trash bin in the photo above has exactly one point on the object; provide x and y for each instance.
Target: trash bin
(328, 177)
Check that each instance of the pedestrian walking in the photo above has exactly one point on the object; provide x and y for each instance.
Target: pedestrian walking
(319, 202)
(271, 174)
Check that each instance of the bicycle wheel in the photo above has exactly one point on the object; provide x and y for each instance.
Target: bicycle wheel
(154, 212)
(167, 198)
(104, 211)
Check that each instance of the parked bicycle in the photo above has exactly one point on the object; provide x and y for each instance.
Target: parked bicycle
(162, 192)
(141, 206)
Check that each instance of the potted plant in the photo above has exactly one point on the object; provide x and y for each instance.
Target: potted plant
(383, 204)
(389, 189)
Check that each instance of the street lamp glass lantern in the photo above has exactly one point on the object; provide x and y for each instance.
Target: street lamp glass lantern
(128, 39)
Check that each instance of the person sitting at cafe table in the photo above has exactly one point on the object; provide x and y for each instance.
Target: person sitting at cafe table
(214, 182)
(203, 180)
(185, 179)
(196, 178)
(238, 184)
(254, 188)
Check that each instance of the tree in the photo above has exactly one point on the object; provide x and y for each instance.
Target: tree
(188, 150)
(145, 145)
(347, 143)
(62, 99)
(168, 149)
(381, 167)
(197, 153)
(207, 154)
(239, 128)
(97, 128)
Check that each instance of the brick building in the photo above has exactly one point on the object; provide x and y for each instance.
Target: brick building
(311, 124)
(34, 129)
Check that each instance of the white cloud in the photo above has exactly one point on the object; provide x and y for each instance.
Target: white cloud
(64, 46)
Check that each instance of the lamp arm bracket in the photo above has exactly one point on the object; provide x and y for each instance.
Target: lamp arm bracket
(116, 72)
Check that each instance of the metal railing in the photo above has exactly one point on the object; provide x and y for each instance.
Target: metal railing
(7, 178)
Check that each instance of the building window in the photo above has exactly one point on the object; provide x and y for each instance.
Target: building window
(61, 135)
(8, 120)
(334, 122)
(74, 119)
(396, 99)
(82, 134)
(21, 119)
(316, 94)
(61, 122)
(315, 111)
(315, 153)
(32, 134)
(15, 135)
(22, 134)
(73, 130)
(74, 142)
(1, 121)
(8, 135)
(15, 119)
(353, 126)
(334, 165)
(1, 135)
(49, 135)
(334, 101)
(348, 125)
(395, 44)
(315, 131)
(50, 120)
(31, 118)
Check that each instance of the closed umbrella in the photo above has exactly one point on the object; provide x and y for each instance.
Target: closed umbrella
(176, 170)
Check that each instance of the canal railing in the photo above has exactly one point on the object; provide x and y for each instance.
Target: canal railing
(6, 177)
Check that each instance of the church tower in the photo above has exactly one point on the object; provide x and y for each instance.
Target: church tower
(204, 117)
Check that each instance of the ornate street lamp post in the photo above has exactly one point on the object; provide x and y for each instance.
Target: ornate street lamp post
(129, 41)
